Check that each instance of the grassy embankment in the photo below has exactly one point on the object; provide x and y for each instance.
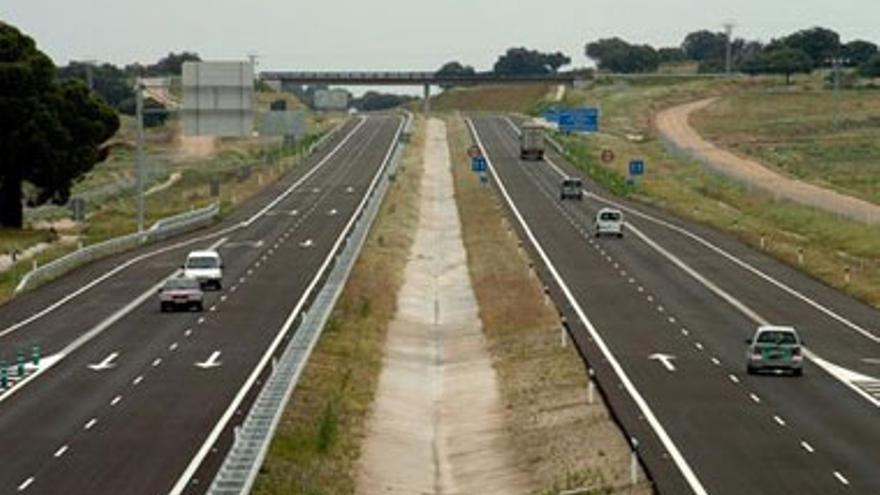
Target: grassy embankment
(559, 438)
(317, 445)
(682, 186)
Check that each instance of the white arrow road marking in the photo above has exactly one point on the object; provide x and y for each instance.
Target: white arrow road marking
(665, 360)
(307, 243)
(316, 190)
(332, 212)
(211, 362)
(106, 364)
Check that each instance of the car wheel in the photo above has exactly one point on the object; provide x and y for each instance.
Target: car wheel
(750, 370)
(200, 307)
(798, 372)
(163, 308)
(620, 235)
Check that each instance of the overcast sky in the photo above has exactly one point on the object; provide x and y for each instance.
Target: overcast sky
(400, 34)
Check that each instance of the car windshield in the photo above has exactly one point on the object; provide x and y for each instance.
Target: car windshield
(181, 283)
(571, 183)
(778, 337)
(610, 216)
(202, 262)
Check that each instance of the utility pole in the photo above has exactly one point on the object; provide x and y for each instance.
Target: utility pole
(728, 59)
(139, 155)
(836, 63)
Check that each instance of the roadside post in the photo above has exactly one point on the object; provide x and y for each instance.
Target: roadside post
(35, 355)
(591, 387)
(19, 365)
(634, 461)
(4, 376)
(636, 170)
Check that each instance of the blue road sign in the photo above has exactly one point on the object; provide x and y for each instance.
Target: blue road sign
(552, 115)
(478, 164)
(584, 119)
(637, 167)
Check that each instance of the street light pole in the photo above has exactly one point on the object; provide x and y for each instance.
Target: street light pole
(835, 64)
(139, 155)
(728, 59)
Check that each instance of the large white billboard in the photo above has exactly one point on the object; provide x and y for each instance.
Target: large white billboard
(330, 99)
(218, 98)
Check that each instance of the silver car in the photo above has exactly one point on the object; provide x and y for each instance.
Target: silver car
(181, 293)
(775, 348)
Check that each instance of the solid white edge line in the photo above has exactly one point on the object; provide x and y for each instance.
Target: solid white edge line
(60, 452)
(212, 437)
(677, 457)
(841, 478)
(779, 420)
(809, 448)
(97, 281)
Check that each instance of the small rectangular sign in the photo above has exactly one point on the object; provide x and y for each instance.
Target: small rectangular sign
(478, 164)
(584, 119)
(637, 167)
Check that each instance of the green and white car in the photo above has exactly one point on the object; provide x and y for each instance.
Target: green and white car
(775, 348)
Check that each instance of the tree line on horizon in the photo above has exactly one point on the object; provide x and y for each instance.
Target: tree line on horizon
(800, 52)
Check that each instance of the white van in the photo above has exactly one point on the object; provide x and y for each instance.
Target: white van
(609, 221)
(206, 267)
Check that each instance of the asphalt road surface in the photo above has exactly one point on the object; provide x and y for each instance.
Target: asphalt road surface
(142, 402)
(662, 316)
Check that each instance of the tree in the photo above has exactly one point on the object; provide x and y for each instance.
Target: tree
(51, 132)
(871, 67)
(785, 61)
(702, 46)
(109, 82)
(372, 100)
(671, 55)
(453, 69)
(819, 43)
(858, 52)
(616, 55)
(521, 61)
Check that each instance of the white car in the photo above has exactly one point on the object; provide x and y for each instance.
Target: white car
(206, 267)
(609, 221)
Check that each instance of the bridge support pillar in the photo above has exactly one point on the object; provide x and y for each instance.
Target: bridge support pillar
(427, 101)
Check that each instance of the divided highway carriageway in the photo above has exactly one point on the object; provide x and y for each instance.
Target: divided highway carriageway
(662, 316)
(131, 400)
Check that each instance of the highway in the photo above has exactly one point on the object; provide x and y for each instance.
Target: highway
(662, 316)
(134, 401)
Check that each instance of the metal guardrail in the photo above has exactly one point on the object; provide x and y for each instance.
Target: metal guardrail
(164, 228)
(252, 439)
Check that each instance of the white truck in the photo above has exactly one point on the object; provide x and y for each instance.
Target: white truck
(531, 142)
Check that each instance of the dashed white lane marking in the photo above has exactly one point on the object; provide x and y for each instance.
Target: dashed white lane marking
(223, 298)
(25, 484)
(631, 280)
(755, 398)
(716, 361)
(138, 380)
(60, 452)
(650, 298)
(671, 319)
(116, 400)
(684, 331)
(213, 308)
(241, 280)
(660, 309)
(173, 347)
(641, 289)
(779, 421)
(841, 478)
(809, 448)
(200, 320)
(157, 362)
(733, 378)
(698, 345)
(250, 271)
(233, 288)
(188, 332)
(92, 422)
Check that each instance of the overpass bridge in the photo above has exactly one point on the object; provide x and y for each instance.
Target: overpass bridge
(425, 79)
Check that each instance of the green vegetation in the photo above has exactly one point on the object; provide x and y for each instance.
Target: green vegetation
(318, 441)
(795, 132)
(51, 133)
